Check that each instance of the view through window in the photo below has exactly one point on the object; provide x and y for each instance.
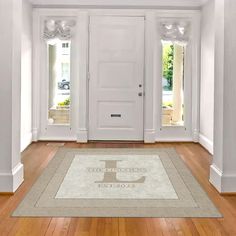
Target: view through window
(173, 55)
(59, 54)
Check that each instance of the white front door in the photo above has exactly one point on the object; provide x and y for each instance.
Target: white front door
(116, 66)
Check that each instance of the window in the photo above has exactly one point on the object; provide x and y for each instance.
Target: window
(59, 82)
(65, 45)
(173, 54)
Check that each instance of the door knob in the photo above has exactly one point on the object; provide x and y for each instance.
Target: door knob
(140, 94)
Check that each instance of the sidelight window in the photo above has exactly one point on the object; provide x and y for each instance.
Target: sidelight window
(57, 34)
(174, 37)
(173, 55)
(59, 82)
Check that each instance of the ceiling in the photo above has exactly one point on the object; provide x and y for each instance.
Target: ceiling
(121, 3)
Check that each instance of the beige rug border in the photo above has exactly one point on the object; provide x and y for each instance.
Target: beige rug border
(28, 206)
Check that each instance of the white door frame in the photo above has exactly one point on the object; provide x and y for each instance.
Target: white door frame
(190, 130)
(79, 78)
(151, 87)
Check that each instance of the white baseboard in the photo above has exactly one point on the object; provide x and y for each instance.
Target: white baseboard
(82, 136)
(149, 136)
(9, 182)
(216, 177)
(206, 143)
(196, 136)
(173, 140)
(222, 182)
(35, 134)
(57, 138)
(228, 184)
(26, 140)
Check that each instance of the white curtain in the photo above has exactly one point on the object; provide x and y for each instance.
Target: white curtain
(175, 31)
(58, 29)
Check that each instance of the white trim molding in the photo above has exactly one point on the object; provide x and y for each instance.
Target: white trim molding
(82, 136)
(174, 139)
(228, 183)
(149, 109)
(41, 129)
(149, 136)
(26, 140)
(195, 135)
(206, 143)
(121, 3)
(35, 134)
(190, 130)
(216, 177)
(9, 182)
(224, 183)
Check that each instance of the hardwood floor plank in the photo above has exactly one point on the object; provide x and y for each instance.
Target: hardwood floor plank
(171, 227)
(154, 227)
(30, 227)
(62, 226)
(135, 227)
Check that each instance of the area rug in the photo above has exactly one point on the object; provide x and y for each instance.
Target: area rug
(116, 183)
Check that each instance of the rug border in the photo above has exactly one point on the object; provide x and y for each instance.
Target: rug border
(26, 210)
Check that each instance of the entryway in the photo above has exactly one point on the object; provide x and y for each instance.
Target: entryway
(120, 76)
(116, 75)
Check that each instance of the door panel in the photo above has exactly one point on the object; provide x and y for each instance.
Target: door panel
(121, 74)
(116, 114)
(116, 78)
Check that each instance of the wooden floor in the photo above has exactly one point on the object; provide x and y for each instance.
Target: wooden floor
(36, 158)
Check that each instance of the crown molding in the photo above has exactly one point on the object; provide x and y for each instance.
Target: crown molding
(119, 3)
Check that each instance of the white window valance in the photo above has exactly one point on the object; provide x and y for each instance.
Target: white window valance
(175, 31)
(58, 29)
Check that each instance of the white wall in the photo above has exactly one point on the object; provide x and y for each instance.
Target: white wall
(11, 169)
(207, 76)
(26, 75)
(223, 168)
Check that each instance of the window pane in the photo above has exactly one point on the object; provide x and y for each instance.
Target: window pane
(59, 82)
(172, 84)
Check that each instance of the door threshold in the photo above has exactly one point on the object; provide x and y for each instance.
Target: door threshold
(116, 141)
